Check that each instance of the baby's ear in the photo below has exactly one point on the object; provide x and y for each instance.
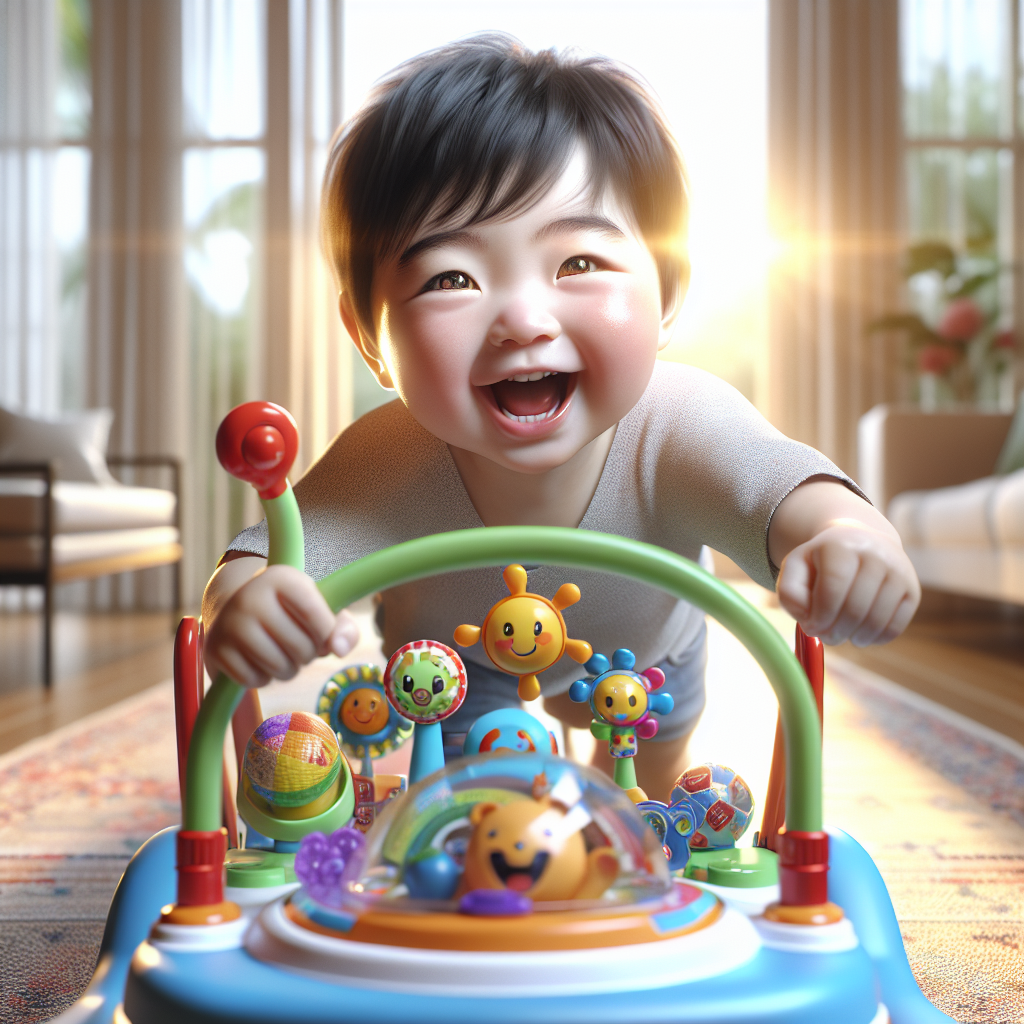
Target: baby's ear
(670, 311)
(365, 345)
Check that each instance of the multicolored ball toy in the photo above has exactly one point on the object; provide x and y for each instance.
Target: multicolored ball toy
(721, 804)
(353, 703)
(292, 762)
(711, 808)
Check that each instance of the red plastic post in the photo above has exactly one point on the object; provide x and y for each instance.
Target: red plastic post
(188, 695)
(201, 867)
(188, 688)
(257, 442)
(803, 868)
(810, 652)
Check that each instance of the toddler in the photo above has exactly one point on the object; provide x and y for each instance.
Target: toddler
(508, 234)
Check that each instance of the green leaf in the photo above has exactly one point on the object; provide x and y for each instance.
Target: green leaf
(926, 256)
(971, 284)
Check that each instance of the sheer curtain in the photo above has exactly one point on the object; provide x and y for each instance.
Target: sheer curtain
(29, 266)
(206, 283)
(835, 206)
(308, 361)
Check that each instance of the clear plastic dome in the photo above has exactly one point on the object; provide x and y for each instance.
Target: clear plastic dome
(506, 827)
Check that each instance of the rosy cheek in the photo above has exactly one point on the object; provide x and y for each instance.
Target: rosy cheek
(504, 645)
(544, 638)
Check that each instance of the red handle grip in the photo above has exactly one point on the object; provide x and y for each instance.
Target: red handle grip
(257, 442)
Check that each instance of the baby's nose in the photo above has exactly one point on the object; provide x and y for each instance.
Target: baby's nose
(524, 320)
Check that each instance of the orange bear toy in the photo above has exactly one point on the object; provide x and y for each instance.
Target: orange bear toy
(535, 847)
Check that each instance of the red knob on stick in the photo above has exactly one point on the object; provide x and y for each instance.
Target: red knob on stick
(257, 442)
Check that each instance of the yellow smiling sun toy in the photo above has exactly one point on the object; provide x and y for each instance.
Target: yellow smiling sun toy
(524, 633)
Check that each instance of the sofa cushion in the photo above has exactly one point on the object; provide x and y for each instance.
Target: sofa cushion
(1008, 509)
(988, 512)
(76, 443)
(1011, 455)
(81, 507)
(26, 553)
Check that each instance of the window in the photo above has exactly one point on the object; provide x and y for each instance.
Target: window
(964, 129)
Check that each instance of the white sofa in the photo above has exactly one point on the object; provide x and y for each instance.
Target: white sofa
(64, 517)
(961, 524)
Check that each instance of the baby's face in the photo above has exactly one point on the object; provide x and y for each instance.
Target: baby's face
(523, 340)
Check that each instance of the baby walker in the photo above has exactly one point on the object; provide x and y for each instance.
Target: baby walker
(507, 885)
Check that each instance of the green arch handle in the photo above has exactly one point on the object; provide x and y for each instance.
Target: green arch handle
(581, 549)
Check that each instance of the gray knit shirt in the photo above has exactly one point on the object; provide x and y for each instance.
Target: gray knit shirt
(692, 463)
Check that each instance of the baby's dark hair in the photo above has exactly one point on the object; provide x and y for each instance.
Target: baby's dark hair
(479, 130)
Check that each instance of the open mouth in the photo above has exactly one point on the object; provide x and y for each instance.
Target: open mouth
(533, 397)
(518, 878)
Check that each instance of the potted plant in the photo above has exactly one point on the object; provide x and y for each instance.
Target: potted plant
(955, 340)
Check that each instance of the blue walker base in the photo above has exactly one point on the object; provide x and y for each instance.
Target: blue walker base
(160, 987)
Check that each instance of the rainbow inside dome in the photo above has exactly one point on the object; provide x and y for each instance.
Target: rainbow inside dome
(292, 759)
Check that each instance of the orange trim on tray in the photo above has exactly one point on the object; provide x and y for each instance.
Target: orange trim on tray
(547, 930)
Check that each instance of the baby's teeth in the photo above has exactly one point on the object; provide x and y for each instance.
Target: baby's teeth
(531, 419)
(522, 378)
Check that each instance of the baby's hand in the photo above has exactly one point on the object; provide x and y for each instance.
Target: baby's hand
(850, 582)
(274, 624)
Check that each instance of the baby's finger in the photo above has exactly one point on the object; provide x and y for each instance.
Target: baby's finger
(345, 634)
(901, 619)
(233, 664)
(880, 614)
(307, 607)
(796, 578)
(836, 572)
(262, 651)
(292, 640)
(867, 582)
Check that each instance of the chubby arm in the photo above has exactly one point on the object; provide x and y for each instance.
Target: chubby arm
(843, 572)
(264, 623)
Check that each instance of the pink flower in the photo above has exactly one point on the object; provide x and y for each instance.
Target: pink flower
(935, 359)
(1005, 339)
(961, 321)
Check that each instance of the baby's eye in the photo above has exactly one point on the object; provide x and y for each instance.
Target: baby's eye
(450, 281)
(576, 265)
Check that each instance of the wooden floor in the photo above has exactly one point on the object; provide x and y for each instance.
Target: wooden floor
(966, 654)
(99, 660)
(962, 652)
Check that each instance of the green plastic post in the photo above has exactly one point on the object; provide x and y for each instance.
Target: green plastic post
(203, 811)
(624, 773)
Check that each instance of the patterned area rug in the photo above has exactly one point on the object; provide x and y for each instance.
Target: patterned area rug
(74, 806)
(939, 805)
(937, 802)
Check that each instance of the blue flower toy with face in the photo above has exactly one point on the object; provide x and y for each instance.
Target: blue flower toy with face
(622, 702)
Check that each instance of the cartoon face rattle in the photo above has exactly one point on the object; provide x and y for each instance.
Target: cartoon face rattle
(353, 703)
(425, 682)
(622, 702)
(524, 633)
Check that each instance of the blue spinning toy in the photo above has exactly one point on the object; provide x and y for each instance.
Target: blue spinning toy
(547, 896)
